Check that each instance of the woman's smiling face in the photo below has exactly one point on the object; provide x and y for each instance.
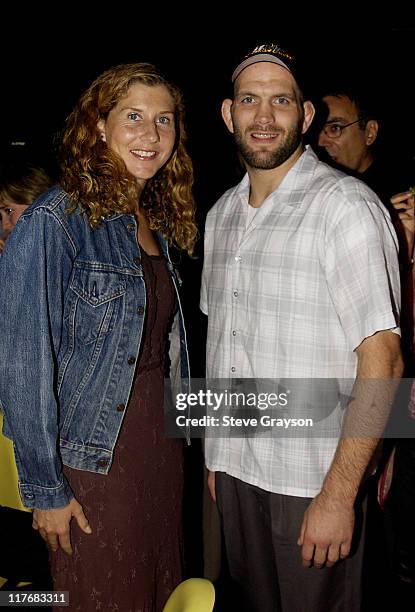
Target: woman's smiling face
(141, 129)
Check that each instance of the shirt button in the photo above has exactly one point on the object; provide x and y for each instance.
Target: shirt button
(235, 294)
(233, 369)
(120, 407)
(233, 333)
(131, 227)
(131, 360)
(238, 258)
(137, 261)
(102, 462)
(140, 310)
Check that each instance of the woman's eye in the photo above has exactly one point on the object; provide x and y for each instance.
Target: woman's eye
(8, 211)
(133, 116)
(164, 120)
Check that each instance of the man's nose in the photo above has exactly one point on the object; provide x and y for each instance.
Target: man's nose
(264, 114)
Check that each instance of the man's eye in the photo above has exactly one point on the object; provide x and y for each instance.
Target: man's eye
(133, 116)
(247, 100)
(334, 128)
(282, 100)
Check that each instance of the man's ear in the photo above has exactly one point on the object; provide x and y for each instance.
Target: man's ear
(309, 112)
(371, 131)
(226, 114)
(101, 129)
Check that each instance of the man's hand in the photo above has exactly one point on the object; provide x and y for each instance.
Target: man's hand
(53, 525)
(211, 485)
(326, 532)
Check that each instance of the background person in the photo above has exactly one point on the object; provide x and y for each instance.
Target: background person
(354, 140)
(20, 185)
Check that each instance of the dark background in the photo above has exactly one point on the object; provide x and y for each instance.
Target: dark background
(44, 69)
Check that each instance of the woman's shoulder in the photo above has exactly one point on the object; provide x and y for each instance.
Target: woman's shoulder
(53, 200)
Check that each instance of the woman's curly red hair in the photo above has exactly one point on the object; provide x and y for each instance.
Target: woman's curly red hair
(96, 178)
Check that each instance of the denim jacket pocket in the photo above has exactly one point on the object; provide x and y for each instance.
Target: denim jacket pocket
(98, 292)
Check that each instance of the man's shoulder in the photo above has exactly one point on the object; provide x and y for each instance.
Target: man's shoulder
(224, 203)
(348, 192)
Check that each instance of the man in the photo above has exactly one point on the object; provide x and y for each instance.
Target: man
(350, 138)
(295, 286)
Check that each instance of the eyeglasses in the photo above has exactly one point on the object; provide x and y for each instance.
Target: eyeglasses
(335, 130)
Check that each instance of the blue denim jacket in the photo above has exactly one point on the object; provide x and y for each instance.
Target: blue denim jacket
(72, 307)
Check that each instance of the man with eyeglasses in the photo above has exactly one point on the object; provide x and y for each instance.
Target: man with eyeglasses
(350, 137)
(349, 133)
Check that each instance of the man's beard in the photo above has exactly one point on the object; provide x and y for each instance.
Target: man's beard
(267, 160)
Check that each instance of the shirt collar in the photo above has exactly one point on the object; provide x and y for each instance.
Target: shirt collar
(294, 184)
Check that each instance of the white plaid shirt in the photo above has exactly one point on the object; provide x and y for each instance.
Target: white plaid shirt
(292, 296)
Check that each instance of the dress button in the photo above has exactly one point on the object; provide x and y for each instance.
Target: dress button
(140, 310)
(137, 261)
(131, 227)
(120, 407)
(235, 293)
(131, 360)
(102, 462)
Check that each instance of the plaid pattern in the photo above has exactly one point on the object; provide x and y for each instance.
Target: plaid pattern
(291, 295)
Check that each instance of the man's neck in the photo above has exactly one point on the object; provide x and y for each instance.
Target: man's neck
(365, 163)
(264, 182)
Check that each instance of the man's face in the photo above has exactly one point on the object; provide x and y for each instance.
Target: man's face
(351, 148)
(265, 116)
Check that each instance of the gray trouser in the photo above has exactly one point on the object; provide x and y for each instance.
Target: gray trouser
(261, 530)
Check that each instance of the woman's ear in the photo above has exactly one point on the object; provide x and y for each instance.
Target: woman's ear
(101, 129)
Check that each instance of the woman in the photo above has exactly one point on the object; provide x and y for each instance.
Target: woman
(93, 301)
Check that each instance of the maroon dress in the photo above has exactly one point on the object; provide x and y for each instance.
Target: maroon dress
(132, 560)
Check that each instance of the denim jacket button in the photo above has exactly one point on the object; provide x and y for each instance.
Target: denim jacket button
(130, 227)
(102, 462)
(120, 407)
(140, 310)
(137, 261)
(29, 495)
(131, 360)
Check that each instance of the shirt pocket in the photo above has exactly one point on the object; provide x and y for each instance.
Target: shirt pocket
(98, 301)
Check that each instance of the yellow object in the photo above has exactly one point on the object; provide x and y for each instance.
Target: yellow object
(192, 595)
(9, 488)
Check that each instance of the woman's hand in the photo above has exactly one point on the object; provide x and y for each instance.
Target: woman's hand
(403, 203)
(53, 525)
